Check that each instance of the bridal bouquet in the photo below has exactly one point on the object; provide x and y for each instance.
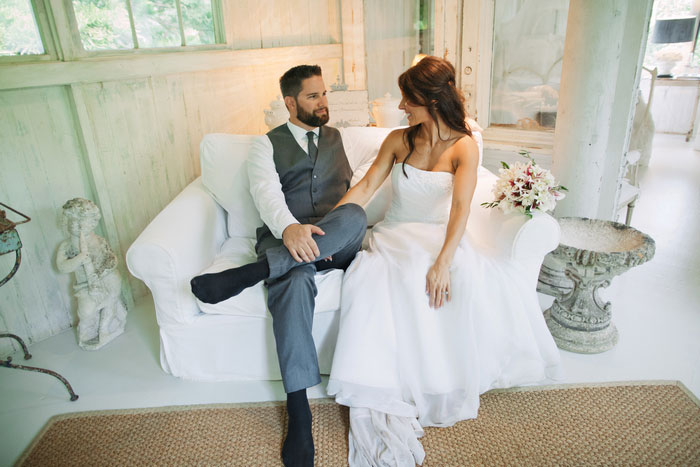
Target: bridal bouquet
(525, 187)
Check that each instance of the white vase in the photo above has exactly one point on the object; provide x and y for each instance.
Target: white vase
(277, 114)
(665, 67)
(386, 112)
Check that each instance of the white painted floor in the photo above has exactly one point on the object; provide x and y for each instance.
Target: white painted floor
(656, 308)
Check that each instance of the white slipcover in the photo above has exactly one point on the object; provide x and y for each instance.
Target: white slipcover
(211, 225)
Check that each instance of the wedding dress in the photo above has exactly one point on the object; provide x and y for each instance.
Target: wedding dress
(401, 365)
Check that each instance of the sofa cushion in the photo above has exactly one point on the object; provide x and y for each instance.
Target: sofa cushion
(252, 301)
(224, 175)
(362, 144)
(361, 147)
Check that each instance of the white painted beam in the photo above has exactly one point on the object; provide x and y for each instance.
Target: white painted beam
(353, 32)
(131, 66)
(594, 34)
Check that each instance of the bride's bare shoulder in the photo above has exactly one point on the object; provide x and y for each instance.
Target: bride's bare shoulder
(397, 134)
(395, 139)
(465, 149)
(468, 143)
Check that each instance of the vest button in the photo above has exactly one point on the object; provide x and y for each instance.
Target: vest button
(315, 176)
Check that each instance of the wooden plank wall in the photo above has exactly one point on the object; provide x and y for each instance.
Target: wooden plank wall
(392, 41)
(131, 145)
(41, 168)
(284, 23)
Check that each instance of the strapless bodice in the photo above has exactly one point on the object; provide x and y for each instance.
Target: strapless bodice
(423, 196)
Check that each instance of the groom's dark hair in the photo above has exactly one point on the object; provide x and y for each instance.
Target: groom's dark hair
(290, 82)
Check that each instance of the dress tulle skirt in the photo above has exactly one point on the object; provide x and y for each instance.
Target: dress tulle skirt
(401, 365)
(406, 361)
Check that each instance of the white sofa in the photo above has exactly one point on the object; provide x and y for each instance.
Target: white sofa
(211, 225)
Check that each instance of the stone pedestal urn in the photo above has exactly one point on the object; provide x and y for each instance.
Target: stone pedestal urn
(591, 252)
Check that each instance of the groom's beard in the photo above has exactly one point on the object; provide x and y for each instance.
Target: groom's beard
(311, 118)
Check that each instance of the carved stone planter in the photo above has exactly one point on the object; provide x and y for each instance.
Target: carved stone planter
(591, 252)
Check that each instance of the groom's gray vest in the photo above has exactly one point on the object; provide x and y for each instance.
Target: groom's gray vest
(310, 189)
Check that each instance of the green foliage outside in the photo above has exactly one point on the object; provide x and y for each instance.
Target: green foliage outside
(156, 23)
(104, 24)
(198, 21)
(19, 34)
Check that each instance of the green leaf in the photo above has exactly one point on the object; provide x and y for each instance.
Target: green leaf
(526, 154)
(505, 166)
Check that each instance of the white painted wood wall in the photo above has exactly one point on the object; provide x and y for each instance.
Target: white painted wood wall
(391, 40)
(672, 105)
(125, 133)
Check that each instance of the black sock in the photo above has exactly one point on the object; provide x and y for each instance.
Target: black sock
(216, 287)
(298, 448)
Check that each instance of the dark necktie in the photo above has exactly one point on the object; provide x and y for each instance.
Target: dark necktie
(313, 150)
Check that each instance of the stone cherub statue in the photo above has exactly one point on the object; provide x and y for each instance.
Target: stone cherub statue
(101, 311)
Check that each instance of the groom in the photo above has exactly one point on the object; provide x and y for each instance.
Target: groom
(298, 172)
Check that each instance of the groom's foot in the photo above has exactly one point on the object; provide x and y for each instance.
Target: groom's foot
(219, 286)
(298, 448)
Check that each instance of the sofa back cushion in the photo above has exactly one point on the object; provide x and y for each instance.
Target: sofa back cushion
(361, 148)
(224, 174)
(362, 144)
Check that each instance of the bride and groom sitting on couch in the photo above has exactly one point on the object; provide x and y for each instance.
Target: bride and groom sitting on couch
(427, 322)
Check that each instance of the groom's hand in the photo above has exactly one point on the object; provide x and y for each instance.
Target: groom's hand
(301, 245)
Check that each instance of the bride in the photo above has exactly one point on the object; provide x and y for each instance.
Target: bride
(428, 322)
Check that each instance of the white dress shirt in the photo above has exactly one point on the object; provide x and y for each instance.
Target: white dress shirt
(265, 186)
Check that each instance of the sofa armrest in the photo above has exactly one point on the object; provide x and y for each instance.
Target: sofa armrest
(179, 243)
(514, 236)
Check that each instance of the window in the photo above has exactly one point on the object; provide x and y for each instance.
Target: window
(19, 33)
(135, 24)
(681, 57)
(103, 24)
(528, 48)
(28, 27)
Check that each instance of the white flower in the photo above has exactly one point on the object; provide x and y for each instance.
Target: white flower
(525, 187)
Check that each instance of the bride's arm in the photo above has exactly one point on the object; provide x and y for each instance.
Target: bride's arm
(377, 173)
(466, 163)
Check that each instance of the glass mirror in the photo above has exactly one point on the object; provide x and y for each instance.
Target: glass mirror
(528, 48)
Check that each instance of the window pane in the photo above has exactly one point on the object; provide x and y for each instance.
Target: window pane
(19, 34)
(197, 20)
(103, 24)
(675, 57)
(156, 23)
(528, 49)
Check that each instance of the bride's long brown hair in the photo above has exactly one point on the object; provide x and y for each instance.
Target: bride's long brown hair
(431, 83)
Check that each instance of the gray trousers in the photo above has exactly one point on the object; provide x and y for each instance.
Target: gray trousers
(291, 292)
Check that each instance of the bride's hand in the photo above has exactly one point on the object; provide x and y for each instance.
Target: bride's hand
(437, 284)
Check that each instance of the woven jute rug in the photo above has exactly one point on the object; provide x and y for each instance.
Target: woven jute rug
(655, 423)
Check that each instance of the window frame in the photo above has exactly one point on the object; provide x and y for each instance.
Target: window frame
(477, 47)
(45, 28)
(60, 36)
